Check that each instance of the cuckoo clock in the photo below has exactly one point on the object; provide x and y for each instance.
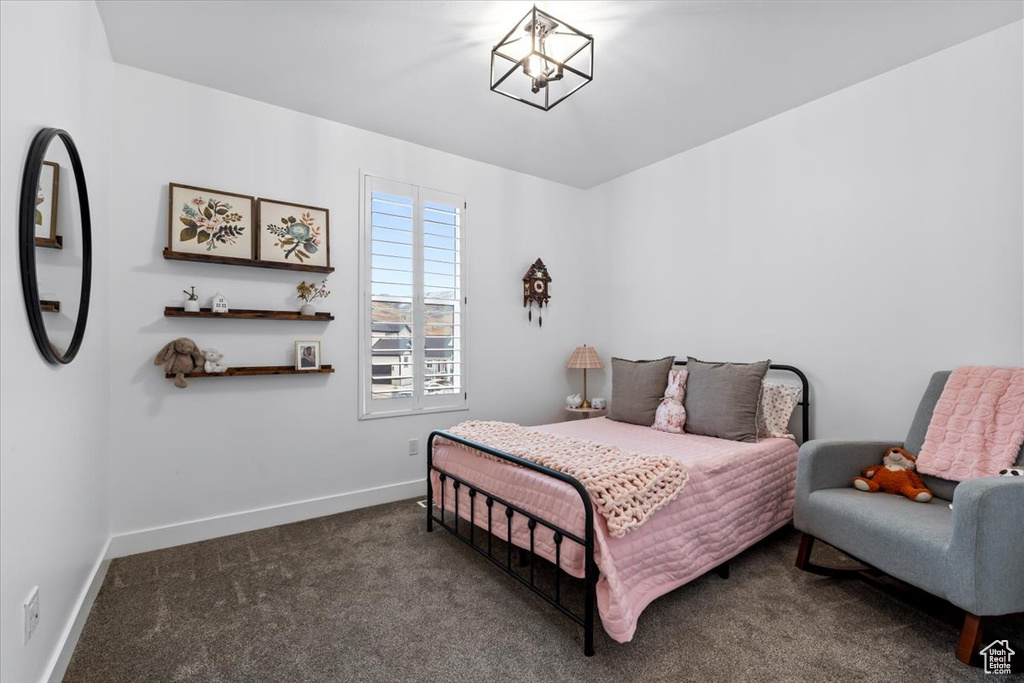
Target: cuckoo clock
(536, 289)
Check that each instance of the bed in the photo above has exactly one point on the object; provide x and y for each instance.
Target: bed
(737, 494)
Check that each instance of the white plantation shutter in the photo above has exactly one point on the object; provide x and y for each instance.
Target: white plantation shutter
(412, 328)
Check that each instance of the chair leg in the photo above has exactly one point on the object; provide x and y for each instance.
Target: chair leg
(803, 561)
(803, 556)
(970, 637)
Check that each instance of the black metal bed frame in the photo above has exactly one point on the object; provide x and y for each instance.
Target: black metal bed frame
(586, 620)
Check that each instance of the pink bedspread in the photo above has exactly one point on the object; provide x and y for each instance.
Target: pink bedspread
(977, 426)
(737, 494)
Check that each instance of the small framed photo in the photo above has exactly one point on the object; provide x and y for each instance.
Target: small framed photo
(210, 222)
(294, 234)
(307, 355)
(47, 193)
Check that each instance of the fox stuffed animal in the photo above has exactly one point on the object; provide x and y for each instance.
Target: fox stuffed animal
(895, 475)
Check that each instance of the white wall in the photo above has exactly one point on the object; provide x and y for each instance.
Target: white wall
(870, 238)
(55, 70)
(232, 445)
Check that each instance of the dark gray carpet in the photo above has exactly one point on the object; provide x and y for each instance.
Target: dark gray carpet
(370, 596)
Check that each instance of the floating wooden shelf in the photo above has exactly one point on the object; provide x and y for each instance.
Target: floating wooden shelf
(254, 370)
(247, 314)
(46, 243)
(48, 306)
(227, 261)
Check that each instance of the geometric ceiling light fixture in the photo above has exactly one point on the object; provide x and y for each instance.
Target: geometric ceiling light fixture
(542, 61)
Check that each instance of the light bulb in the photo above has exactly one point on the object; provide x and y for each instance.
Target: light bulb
(534, 66)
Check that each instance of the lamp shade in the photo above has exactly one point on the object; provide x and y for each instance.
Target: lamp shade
(585, 358)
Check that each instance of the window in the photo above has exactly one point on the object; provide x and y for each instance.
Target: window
(412, 351)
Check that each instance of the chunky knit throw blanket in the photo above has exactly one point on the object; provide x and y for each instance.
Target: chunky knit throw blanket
(626, 487)
(978, 424)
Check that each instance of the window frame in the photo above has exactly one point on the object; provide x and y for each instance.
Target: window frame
(419, 403)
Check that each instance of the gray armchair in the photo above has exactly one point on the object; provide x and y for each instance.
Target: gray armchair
(972, 555)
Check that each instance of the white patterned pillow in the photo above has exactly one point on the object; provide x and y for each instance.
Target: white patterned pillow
(777, 404)
(671, 415)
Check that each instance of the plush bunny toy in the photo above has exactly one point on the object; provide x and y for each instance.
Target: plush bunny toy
(180, 357)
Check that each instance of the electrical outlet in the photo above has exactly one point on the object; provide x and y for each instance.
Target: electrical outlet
(414, 446)
(31, 613)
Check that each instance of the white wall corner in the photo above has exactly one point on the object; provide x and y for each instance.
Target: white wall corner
(80, 614)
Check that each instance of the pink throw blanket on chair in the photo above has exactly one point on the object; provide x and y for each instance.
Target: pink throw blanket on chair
(978, 425)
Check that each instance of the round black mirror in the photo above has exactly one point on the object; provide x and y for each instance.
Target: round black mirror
(55, 235)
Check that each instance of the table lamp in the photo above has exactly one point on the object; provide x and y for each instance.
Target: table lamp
(585, 358)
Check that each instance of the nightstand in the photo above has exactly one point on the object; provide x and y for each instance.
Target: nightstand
(587, 412)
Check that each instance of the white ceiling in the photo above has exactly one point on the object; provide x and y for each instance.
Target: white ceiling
(668, 76)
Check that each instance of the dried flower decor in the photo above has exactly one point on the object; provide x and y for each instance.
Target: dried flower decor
(309, 292)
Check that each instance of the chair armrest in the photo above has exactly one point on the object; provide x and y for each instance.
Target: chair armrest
(987, 546)
(830, 464)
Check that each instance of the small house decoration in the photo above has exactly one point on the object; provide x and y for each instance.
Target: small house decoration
(536, 289)
(219, 303)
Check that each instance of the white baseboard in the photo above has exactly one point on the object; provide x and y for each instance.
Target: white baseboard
(69, 639)
(155, 538)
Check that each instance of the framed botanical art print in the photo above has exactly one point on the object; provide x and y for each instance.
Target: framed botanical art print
(307, 355)
(47, 195)
(210, 223)
(294, 234)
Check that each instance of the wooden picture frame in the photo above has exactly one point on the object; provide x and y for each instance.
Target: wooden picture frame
(47, 202)
(293, 234)
(213, 225)
(307, 356)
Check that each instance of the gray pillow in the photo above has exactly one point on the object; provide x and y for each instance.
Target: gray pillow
(722, 399)
(637, 389)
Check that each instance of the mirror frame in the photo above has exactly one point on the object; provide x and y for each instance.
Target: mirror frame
(27, 247)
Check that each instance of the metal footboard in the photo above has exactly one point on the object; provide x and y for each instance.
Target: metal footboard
(534, 524)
